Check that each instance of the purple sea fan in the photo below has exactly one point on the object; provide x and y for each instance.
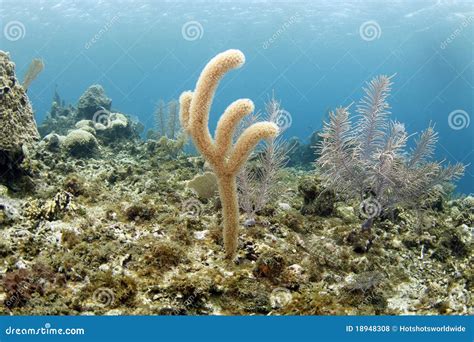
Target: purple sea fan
(367, 161)
(259, 182)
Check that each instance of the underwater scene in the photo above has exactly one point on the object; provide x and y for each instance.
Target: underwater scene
(236, 157)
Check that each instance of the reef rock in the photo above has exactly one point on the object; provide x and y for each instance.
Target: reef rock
(92, 101)
(317, 200)
(86, 125)
(116, 126)
(345, 212)
(302, 154)
(17, 124)
(8, 211)
(52, 142)
(16, 115)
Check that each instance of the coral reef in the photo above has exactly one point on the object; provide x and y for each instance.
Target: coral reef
(112, 238)
(168, 135)
(60, 119)
(116, 127)
(225, 160)
(65, 130)
(133, 227)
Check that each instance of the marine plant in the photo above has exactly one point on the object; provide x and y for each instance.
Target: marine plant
(258, 184)
(226, 159)
(368, 161)
(166, 119)
(35, 68)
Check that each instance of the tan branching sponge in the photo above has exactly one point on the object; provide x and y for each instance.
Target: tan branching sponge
(225, 159)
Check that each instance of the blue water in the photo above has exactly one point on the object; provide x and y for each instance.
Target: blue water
(313, 55)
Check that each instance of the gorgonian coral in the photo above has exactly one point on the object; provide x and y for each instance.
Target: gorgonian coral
(368, 160)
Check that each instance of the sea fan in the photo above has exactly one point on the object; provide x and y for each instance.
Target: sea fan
(368, 161)
(258, 182)
(336, 152)
(166, 119)
(373, 122)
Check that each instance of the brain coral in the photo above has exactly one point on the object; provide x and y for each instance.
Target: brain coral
(80, 143)
(17, 124)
